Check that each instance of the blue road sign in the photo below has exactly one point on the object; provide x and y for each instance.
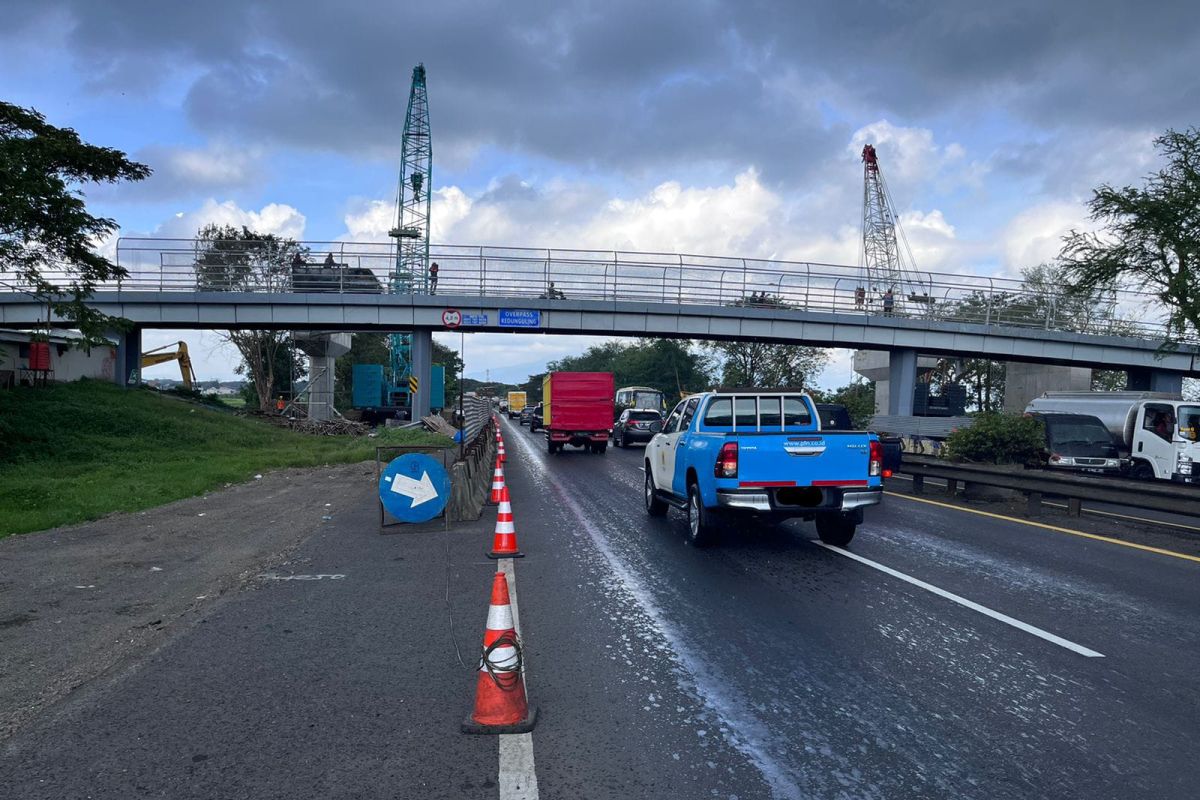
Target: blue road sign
(520, 318)
(475, 319)
(414, 488)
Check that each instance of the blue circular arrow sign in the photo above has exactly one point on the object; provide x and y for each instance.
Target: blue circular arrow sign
(414, 488)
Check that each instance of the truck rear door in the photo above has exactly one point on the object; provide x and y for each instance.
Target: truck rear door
(780, 444)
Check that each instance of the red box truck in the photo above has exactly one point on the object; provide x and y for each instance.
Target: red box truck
(577, 409)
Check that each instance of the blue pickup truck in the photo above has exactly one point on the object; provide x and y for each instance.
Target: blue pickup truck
(764, 454)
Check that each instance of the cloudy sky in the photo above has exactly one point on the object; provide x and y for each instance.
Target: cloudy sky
(705, 127)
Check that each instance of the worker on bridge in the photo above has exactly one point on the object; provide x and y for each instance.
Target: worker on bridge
(433, 277)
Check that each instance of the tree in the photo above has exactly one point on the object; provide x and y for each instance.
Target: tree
(1152, 236)
(671, 366)
(47, 235)
(760, 364)
(232, 259)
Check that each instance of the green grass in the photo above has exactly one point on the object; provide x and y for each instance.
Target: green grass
(75, 452)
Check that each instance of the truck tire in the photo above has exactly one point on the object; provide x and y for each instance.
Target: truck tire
(836, 529)
(551, 446)
(701, 530)
(1141, 471)
(617, 441)
(655, 505)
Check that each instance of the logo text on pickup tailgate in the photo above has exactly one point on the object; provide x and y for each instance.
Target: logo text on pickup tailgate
(804, 445)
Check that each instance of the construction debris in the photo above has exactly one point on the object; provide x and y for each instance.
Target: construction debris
(437, 424)
(327, 427)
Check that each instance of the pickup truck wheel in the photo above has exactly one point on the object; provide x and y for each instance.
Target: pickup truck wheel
(655, 505)
(700, 524)
(835, 529)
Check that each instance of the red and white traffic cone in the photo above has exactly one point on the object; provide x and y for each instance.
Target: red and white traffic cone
(497, 483)
(500, 702)
(500, 452)
(504, 543)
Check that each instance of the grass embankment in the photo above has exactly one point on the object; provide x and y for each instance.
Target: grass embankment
(78, 451)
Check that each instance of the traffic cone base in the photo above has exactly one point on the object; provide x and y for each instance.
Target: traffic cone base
(501, 705)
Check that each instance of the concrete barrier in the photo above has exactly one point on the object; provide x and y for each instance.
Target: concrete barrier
(471, 476)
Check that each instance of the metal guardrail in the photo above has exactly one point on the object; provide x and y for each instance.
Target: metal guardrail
(1037, 484)
(185, 265)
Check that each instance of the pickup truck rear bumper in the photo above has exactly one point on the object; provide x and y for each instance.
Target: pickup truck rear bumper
(833, 500)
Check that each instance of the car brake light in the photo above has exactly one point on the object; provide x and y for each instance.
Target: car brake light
(727, 461)
(887, 473)
(875, 465)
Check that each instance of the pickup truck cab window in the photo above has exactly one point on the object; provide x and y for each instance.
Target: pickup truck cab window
(768, 413)
(795, 412)
(745, 412)
(719, 413)
(672, 423)
(688, 413)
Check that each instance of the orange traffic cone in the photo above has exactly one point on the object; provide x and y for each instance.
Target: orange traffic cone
(500, 702)
(504, 543)
(500, 453)
(497, 483)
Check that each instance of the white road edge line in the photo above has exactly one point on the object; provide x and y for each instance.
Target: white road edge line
(962, 601)
(518, 780)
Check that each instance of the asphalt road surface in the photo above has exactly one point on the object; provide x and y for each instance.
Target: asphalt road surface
(956, 654)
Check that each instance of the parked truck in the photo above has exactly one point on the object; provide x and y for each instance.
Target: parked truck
(516, 402)
(761, 453)
(1159, 432)
(577, 409)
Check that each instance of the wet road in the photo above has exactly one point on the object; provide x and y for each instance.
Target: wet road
(833, 678)
(957, 655)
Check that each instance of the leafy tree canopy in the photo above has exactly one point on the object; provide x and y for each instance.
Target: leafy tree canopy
(1151, 236)
(47, 235)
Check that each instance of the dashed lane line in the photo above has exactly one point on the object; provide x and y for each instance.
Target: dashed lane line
(1087, 652)
(1055, 528)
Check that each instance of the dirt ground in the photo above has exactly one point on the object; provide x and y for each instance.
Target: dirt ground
(77, 602)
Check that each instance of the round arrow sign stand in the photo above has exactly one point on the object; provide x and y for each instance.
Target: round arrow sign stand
(414, 488)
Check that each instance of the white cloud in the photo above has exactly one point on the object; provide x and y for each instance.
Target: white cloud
(276, 218)
(1036, 234)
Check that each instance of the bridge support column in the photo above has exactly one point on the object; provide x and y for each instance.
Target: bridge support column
(422, 370)
(902, 381)
(128, 369)
(322, 350)
(1147, 379)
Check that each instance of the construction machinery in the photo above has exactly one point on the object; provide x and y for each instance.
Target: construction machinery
(160, 355)
(888, 279)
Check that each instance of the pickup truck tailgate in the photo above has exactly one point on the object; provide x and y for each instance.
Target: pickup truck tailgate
(803, 459)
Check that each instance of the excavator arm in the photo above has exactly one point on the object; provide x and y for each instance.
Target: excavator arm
(160, 355)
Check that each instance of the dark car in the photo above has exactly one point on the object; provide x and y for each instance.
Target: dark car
(636, 425)
(1078, 442)
(523, 417)
(535, 418)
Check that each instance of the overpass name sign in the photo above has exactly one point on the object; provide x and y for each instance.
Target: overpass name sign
(520, 318)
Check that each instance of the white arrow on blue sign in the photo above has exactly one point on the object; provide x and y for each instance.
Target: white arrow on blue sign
(414, 488)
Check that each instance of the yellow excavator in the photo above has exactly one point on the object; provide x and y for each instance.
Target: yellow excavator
(180, 354)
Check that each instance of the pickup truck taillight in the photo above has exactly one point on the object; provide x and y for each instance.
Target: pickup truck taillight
(875, 467)
(727, 461)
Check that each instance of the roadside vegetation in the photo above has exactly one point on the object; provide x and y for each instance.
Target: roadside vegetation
(996, 438)
(75, 452)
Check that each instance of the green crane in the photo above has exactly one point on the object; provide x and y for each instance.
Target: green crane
(411, 232)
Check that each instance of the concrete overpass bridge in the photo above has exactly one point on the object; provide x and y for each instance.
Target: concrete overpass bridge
(343, 286)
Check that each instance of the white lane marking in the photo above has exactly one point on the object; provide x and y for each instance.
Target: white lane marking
(518, 779)
(268, 576)
(962, 601)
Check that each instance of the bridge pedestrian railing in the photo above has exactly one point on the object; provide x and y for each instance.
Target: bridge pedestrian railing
(186, 265)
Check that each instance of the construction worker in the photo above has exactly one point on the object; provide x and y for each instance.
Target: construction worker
(860, 297)
(889, 303)
(279, 405)
(433, 275)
